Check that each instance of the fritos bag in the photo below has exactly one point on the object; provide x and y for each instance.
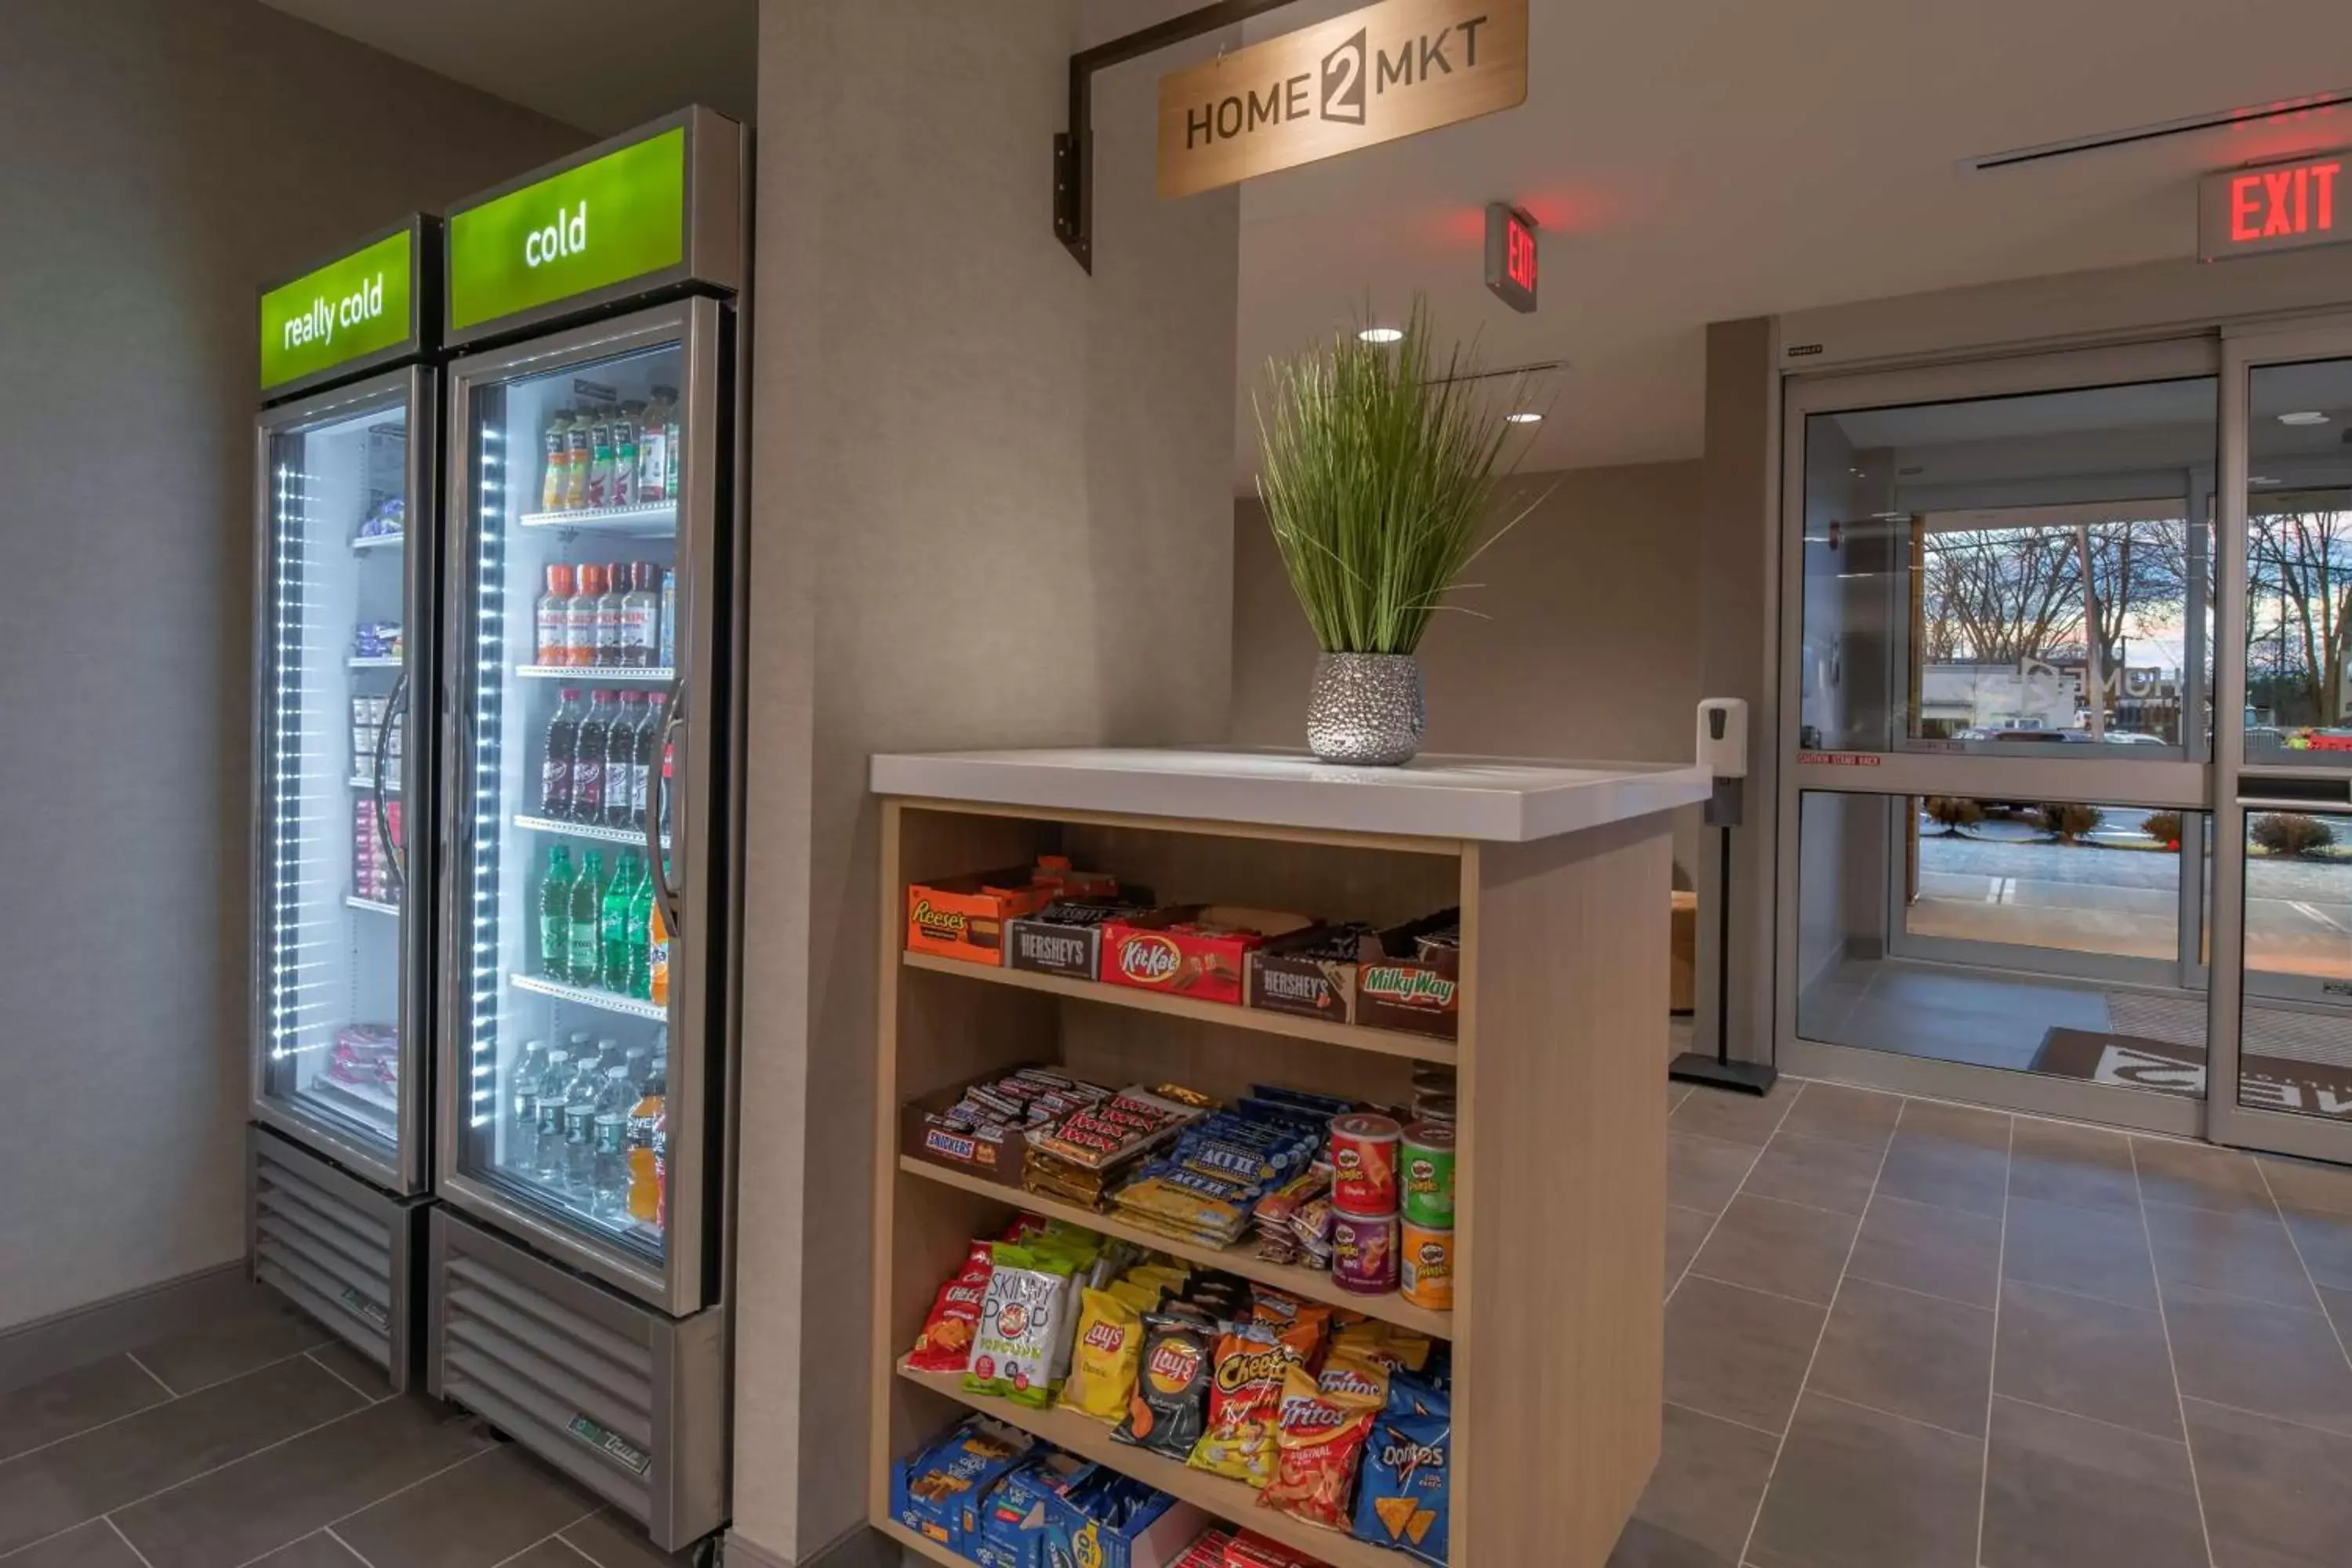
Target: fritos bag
(945, 1343)
(1104, 1359)
(1321, 1435)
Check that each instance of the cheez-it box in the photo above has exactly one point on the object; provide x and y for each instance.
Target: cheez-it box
(1190, 950)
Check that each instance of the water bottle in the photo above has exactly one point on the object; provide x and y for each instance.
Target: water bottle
(640, 1060)
(547, 1139)
(522, 1109)
(610, 1199)
(580, 1133)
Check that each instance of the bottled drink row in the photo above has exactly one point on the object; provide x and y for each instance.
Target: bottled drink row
(618, 616)
(598, 769)
(590, 1123)
(602, 934)
(611, 454)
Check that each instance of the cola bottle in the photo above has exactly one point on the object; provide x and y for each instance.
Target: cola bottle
(589, 778)
(557, 771)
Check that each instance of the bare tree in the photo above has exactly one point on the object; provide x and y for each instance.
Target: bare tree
(2300, 562)
(1997, 595)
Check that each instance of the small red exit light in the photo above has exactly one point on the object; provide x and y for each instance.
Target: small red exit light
(1511, 255)
(2282, 207)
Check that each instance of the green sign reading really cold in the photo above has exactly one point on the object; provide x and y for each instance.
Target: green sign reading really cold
(344, 311)
(620, 217)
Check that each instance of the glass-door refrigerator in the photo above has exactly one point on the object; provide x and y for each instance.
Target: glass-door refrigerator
(345, 477)
(579, 1298)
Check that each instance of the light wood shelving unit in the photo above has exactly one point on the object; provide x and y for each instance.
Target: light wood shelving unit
(1557, 1326)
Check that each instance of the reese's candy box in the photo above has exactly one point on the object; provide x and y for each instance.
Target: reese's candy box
(963, 916)
(945, 1343)
(1168, 1411)
(1104, 1358)
(1319, 1439)
(1190, 950)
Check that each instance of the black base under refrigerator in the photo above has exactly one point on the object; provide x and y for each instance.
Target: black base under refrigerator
(577, 1267)
(347, 469)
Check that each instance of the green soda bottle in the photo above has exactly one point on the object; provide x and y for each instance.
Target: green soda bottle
(587, 908)
(641, 913)
(619, 899)
(555, 915)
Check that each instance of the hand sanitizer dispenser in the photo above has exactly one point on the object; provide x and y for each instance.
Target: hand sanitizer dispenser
(1723, 737)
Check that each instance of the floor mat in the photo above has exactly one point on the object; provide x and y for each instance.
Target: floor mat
(2130, 1061)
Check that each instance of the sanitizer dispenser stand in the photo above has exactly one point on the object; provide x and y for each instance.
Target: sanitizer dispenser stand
(1723, 748)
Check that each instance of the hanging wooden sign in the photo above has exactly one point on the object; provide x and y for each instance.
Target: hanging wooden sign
(1392, 69)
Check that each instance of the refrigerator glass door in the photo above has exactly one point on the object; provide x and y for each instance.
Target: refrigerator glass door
(344, 627)
(575, 1075)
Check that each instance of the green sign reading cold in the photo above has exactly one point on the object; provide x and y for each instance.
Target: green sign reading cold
(621, 217)
(345, 310)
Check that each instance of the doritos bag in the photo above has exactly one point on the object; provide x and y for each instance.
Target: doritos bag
(1403, 1496)
(1104, 1359)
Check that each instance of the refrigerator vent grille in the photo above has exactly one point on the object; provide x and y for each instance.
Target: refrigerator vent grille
(572, 1390)
(332, 1257)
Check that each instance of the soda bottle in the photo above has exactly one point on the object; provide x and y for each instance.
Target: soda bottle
(588, 776)
(580, 1101)
(649, 802)
(587, 906)
(656, 957)
(667, 648)
(652, 449)
(641, 955)
(624, 490)
(609, 1196)
(555, 773)
(576, 459)
(555, 916)
(620, 749)
(613, 921)
(521, 1152)
(640, 1060)
(639, 608)
(645, 1119)
(580, 617)
(610, 615)
(670, 445)
(553, 617)
(600, 457)
(558, 451)
(661, 1168)
(547, 1144)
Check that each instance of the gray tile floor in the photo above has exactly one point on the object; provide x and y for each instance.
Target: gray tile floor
(262, 1441)
(1906, 1335)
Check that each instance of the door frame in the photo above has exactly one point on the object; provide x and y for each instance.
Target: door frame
(2175, 782)
(2238, 786)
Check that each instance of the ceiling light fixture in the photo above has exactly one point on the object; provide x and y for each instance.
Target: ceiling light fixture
(2262, 479)
(1382, 334)
(1523, 416)
(2305, 416)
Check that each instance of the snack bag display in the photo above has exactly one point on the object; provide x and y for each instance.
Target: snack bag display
(945, 1343)
(1105, 1357)
(1351, 1370)
(1321, 1438)
(1402, 1498)
(1023, 1345)
(1245, 1394)
(1168, 1411)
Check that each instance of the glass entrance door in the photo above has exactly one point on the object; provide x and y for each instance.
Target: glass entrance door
(2282, 1017)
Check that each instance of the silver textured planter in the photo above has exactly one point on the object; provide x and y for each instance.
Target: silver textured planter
(1366, 709)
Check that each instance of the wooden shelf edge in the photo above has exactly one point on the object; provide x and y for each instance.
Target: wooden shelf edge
(1315, 1284)
(1350, 1036)
(1228, 1499)
(921, 1545)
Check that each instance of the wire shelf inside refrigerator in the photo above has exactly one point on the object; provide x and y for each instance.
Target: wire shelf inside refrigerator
(608, 1001)
(587, 673)
(658, 519)
(597, 831)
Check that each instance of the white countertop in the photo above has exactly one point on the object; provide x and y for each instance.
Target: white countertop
(1432, 796)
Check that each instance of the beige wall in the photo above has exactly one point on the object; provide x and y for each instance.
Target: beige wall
(1589, 650)
(991, 507)
(165, 157)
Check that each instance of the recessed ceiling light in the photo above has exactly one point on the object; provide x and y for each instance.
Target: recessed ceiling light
(1523, 416)
(2262, 479)
(2306, 416)
(1382, 334)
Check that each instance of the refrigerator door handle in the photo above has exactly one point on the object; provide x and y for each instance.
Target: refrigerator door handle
(392, 858)
(657, 801)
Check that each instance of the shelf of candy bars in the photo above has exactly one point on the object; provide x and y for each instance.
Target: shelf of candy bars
(1320, 1183)
(1081, 925)
(1330, 1416)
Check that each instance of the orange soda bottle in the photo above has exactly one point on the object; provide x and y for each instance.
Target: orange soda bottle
(645, 1125)
(658, 957)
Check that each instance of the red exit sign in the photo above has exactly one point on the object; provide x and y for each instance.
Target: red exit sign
(1511, 255)
(2275, 206)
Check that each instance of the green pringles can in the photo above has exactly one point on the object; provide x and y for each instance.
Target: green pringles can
(1427, 1168)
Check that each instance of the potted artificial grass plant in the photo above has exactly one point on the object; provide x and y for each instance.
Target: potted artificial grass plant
(1379, 468)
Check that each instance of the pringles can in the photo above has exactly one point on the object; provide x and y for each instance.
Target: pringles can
(1364, 1165)
(1425, 1166)
(1364, 1254)
(1425, 1267)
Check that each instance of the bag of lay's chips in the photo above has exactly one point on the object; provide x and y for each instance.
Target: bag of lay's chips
(1402, 1498)
(1244, 1398)
(1320, 1437)
(1104, 1356)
